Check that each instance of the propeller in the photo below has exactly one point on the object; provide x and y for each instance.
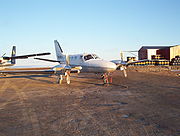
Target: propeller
(67, 60)
(67, 69)
(123, 68)
(60, 70)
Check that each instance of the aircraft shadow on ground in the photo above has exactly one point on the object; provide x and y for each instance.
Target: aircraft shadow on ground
(97, 84)
(102, 84)
(32, 77)
(95, 77)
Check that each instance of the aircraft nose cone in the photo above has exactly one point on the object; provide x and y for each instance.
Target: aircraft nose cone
(101, 66)
(108, 66)
(111, 66)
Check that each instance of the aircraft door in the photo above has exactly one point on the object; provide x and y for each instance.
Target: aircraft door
(81, 59)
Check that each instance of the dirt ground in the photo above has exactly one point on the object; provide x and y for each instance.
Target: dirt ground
(143, 104)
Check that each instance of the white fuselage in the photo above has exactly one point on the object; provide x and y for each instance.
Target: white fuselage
(91, 63)
(5, 63)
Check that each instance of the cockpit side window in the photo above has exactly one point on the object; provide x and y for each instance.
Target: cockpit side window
(88, 57)
(95, 56)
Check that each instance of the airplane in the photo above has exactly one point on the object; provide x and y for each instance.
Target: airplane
(121, 65)
(84, 63)
(6, 61)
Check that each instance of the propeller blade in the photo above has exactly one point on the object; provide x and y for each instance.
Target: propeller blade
(68, 77)
(125, 73)
(67, 60)
(66, 70)
(123, 68)
(67, 67)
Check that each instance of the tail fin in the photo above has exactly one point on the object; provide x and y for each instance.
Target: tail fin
(59, 52)
(13, 54)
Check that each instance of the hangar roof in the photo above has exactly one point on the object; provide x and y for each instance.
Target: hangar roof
(154, 47)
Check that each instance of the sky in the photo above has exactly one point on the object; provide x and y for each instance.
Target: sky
(104, 27)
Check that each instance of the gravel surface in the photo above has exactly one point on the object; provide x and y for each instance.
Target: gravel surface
(143, 104)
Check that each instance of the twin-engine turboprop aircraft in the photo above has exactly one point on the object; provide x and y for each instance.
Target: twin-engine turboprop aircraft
(85, 63)
(10, 61)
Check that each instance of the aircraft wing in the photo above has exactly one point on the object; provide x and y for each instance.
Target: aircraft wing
(55, 70)
(26, 56)
(27, 71)
(47, 60)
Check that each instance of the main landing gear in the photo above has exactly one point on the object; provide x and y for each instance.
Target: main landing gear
(60, 78)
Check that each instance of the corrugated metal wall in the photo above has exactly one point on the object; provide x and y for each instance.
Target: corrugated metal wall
(142, 54)
(165, 53)
(174, 51)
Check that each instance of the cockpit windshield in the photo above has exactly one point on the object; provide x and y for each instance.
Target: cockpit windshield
(88, 57)
(95, 56)
(91, 56)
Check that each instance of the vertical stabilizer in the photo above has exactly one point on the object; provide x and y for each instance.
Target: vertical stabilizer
(13, 54)
(59, 52)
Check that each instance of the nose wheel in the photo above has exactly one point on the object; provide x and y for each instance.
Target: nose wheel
(107, 78)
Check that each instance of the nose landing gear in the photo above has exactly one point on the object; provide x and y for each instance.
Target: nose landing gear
(107, 78)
